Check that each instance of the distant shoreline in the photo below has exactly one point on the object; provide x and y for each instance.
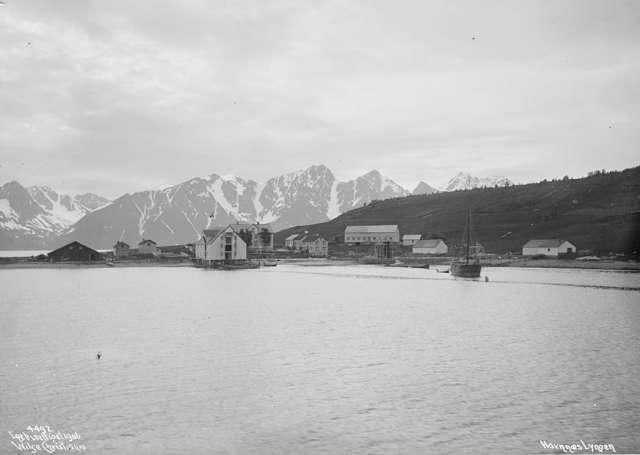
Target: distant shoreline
(622, 266)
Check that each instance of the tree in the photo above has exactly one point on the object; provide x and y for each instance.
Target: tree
(246, 236)
(265, 236)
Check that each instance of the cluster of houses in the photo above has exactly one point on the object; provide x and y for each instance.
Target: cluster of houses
(238, 242)
(383, 233)
(390, 233)
(146, 247)
(312, 244)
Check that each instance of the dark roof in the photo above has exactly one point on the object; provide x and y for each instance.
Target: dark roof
(73, 244)
(146, 242)
(213, 233)
(120, 244)
(544, 243)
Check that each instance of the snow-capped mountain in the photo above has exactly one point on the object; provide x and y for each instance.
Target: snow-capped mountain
(38, 216)
(31, 217)
(465, 181)
(179, 213)
(424, 188)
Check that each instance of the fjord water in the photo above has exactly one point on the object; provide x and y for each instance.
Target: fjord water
(335, 359)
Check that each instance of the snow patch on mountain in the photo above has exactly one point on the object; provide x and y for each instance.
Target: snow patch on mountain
(466, 181)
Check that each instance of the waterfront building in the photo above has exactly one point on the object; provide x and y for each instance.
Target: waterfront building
(315, 245)
(430, 246)
(121, 250)
(221, 244)
(75, 251)
(548, 247)
(147, 246)
(410, 239)
(381, 233)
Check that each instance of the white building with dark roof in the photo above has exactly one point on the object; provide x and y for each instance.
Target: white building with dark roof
(220, 244)
(430, 246)
(373, 234)
(548, 247)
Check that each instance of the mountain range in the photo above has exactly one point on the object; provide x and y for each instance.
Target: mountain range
(600, 213)
(38, 217)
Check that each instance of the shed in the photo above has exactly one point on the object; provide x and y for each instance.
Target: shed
(548, 247)
(430, 246)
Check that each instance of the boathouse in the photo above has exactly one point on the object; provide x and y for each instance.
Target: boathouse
(430, 246)
(121, 250)
(374, 234)
(75, 252)
(147, 246)
(410, 239)
(548, 247)
(222, 244)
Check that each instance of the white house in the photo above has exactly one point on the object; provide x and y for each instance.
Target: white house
(316, 245)
(372, 234)
(430, 246)
(288, 242)
(410, 239)
(548, 247)
(221, 244)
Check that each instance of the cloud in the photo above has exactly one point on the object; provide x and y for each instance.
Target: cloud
(139, 94)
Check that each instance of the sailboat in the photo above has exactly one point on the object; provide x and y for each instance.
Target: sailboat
(465, 267)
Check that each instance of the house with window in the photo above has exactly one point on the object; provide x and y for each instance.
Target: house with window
(410, 239)
(121, 250)
(430, 246)
(147, 246)
(371, 235)
(289, 241)
(221, 244)
(548, 247)
(315, 245)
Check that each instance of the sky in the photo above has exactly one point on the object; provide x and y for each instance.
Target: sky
(121, 96)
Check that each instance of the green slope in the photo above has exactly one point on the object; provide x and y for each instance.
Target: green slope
(600, 213)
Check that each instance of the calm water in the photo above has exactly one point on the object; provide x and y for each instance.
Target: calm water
(294, 359)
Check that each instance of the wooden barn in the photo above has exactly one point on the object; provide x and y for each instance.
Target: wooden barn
(75, 251)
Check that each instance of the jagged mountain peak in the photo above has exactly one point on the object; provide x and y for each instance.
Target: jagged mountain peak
(424, 188)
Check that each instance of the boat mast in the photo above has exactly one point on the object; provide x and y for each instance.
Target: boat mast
(468, 234)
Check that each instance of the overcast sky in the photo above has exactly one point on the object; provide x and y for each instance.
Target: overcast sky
(114, 96)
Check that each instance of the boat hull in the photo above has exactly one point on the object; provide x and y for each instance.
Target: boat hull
(465, 270)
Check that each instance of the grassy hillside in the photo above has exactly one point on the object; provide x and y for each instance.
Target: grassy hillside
(600, 213)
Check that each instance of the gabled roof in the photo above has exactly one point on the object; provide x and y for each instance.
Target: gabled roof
(428, 243)
(411, 236)
(147, 242)
(73, 245)
(120, 244)
(291, 237)
(212, 234)
(544, 243)
(373, 229)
